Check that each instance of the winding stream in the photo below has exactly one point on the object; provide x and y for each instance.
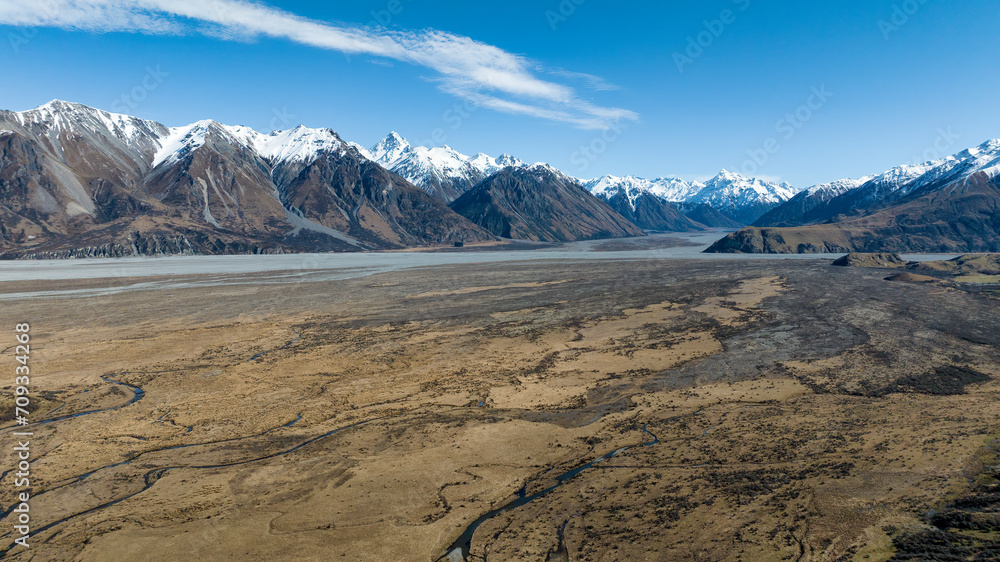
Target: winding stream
(460, 549)
(151, 477)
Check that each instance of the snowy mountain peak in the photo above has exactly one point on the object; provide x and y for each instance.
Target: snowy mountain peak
(395, 138)
(541, 167)
(506, 160)
(57, 117)
(741, 198)
(991, 146)
(732, 184)
(59, 105)
(390, 149)
(439, 170)
(300, 144)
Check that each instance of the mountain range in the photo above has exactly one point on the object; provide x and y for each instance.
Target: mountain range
(447, 174)
(950, 205)
(78, 181)
(658, 204)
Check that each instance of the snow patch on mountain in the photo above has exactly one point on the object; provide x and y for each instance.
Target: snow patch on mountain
(181, 141)
(363, 151)
(835, 188)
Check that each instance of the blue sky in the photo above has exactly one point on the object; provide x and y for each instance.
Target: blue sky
(805, 92)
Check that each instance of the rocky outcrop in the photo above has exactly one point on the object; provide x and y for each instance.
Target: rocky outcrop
(871, 260)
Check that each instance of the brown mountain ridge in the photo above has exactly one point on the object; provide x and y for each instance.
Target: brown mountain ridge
(80, 182)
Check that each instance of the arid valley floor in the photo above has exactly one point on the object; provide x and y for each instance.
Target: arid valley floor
(737, 410)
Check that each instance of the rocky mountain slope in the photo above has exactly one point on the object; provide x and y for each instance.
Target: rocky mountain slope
(805, 205)
(646, 203)
(702, 213)
(950, 205)
(77, 181)
(540, 203)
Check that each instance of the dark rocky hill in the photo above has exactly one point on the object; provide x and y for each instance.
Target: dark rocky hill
(539, 203)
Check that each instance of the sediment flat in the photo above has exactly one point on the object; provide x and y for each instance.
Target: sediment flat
(758, 409)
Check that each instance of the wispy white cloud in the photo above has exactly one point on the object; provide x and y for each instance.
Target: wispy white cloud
(593, 82)
(467, 68)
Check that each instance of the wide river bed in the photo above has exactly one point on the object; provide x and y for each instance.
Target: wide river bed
(177, 271)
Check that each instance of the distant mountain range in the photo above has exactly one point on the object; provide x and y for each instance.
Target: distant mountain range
(950, 206)
(447, 174)
(77, 181)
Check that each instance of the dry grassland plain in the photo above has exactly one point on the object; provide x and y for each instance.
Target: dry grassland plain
(738, 410)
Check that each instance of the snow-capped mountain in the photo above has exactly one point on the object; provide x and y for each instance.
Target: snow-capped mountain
(58, 118)
(853, 197)
(391, 149)
(75, 180)
(141, 138)
(301, 144)
(674, 190)
(740, 198)
(647, 203)
(540, 203)
(440, 171)
(807, 201)
(950, 205)
(903, 180)
(835, 188)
